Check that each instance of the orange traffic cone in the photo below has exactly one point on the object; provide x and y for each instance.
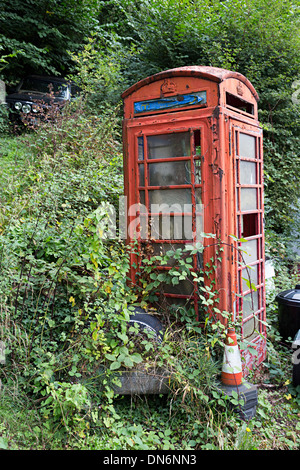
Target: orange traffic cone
(232, 365)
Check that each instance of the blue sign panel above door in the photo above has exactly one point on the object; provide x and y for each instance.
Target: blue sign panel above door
(178, 101)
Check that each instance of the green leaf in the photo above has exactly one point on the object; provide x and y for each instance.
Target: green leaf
(128, 362)
(3, 443)
(123, 337)
(115, 365)
(137, 358)
(111, 357)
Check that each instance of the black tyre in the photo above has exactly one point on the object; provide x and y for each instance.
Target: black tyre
(146, 322)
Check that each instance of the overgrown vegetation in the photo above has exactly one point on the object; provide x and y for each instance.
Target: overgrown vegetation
(64, 310)
(64, 302)
(37, 39)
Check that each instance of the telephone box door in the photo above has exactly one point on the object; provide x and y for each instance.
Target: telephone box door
(169, 170)
(246, 148)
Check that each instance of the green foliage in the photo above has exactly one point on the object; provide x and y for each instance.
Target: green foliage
(99, 70)
(46, 250)
(258, 39)
(39, 34)
(4, 121)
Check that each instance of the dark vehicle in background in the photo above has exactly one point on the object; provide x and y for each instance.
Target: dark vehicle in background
(35, 95)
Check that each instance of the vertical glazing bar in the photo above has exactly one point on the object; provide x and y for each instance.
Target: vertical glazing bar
(194, 215)
(193, 169)
(148, 211)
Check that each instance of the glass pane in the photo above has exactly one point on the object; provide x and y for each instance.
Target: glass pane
(249, 275)
(141, 148)
(169, 200)
(185, 287)
(188, 233)
(187, 227)
(248, 199)
(237, 199)
(247, 146)
(250, 304)
(141, 227)
(250, 249)
(179, 227)
(168, 227)
(170, 173)
(169, 145)
(247, 172)
(142, 175)
(250, 329)
(142, 197)
(199, 227)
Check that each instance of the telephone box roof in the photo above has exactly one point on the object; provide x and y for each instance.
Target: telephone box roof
(209, 73)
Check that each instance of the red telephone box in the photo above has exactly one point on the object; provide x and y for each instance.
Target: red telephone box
(193, 152)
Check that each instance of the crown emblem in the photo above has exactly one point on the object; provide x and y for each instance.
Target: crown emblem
(240, 90)
(168, 87)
